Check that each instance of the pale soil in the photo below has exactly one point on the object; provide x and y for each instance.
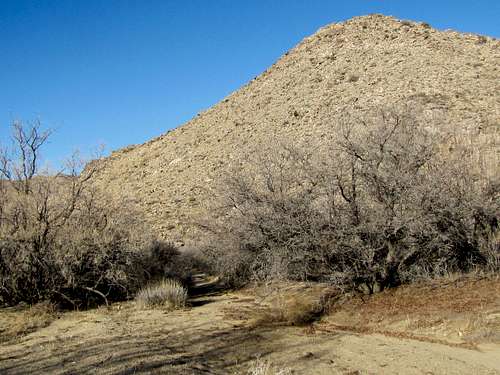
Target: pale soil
(215, 336)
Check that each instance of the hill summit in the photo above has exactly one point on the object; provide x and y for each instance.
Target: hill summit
(363, 63)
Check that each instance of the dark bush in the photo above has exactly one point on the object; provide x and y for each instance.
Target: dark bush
(165, 260)
(90, 256)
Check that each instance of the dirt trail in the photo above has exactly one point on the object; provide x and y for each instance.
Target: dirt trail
(213, 337)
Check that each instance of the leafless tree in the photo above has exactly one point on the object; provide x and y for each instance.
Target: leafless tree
(20, 164)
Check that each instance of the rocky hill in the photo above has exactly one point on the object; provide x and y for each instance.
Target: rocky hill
(356, 65)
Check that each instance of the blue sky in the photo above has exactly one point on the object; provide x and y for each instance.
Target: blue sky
(122, 72)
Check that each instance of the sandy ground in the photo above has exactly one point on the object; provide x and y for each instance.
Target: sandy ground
(214, 337)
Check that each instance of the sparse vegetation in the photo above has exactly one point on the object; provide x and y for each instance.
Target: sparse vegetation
(166, 293)
(294, 306)
(386, 202)
(349, 205)
(63, 241)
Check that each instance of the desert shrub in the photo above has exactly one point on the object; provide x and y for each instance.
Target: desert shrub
(63, 241)
(88, 257)
(165, 293)
(291, 303)
(299, 311)
(387, 198)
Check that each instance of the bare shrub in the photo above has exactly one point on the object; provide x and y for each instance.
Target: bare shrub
(404, 204)
(165, 293)
(389, 197)
(63, 241)
(266, 223)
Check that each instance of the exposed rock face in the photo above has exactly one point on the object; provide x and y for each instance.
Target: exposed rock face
(359, 64)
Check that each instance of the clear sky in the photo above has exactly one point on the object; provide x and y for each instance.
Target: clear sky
(121, 72)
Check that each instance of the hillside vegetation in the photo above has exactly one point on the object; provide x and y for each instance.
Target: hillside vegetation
(353, 67)
(366, 156)
(63, 242)
(383, 205)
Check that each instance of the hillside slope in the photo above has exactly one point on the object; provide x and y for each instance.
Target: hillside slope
(353, 66)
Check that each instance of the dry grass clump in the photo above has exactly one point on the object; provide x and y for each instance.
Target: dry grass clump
(263, 367)
(297, 305)
(293, 311)
(15, 322)
(166, 293)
